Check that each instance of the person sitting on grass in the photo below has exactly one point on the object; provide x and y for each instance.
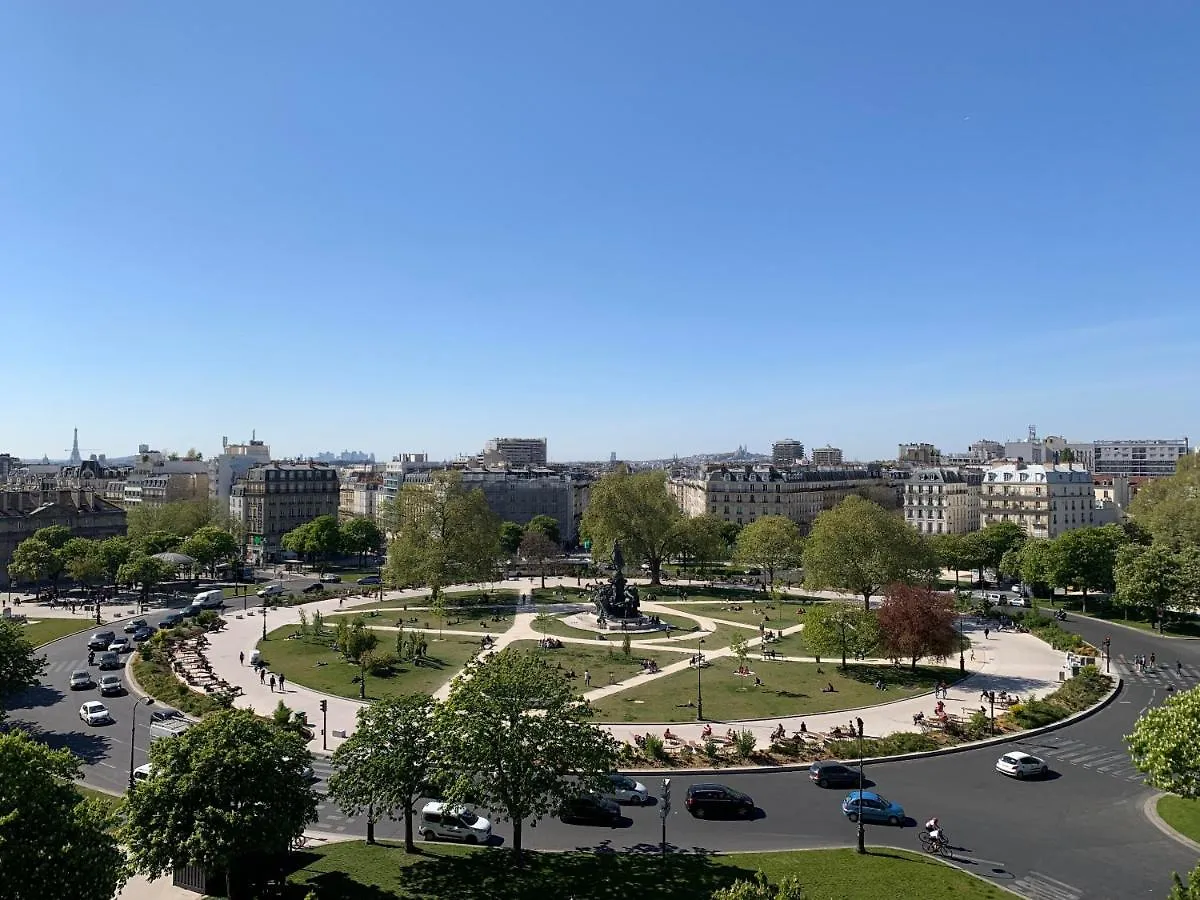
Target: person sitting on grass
(829, 689)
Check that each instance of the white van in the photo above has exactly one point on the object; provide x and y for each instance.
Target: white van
(453, 823)
(168, 728)
(209, 599)
(270, 590)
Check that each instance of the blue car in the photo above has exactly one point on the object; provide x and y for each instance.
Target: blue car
(872, 808)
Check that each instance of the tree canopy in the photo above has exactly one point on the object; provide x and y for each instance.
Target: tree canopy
(179, 517)
(547, 525)
(519, 741)
(859, 546)
(985, 548)
(1084, 558)
(229, 790)
(53, 843)
(636, 509)
(145, 571)
(1169, 508)
(771, 543)
(210, 546)
(20, 666)
(33, 561)
(1165, 744)
(314, 540)
(704, 539)
(538, 549)
(916, 622)
(361, 535)
(510, 537)
(840, 629)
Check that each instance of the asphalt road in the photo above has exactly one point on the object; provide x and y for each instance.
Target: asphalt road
(1080, 833)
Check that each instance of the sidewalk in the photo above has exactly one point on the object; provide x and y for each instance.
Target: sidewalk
(1018, 663)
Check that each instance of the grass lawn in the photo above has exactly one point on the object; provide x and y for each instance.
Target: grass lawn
(300, 661)
(109, 800)
(481, 599)
(600, 661)
(789, 645)
(563, 594)
(429, 623)
(43, 631)
(357, 871)
(788, 689)
(1182, 815)
(749, 614)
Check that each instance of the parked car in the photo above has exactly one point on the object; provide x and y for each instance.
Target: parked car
(110, 684)
(171, 620)
(1021, 765)
(590, 808)
(709, 799)
(315, 588)
(121, 645)
(80, 679)
(144, 633)
(134, 625)
(370, 579)
(832, 774)
(331, 578)
(872, 808)
(626, 790)
(95, 713)
(101, 639)
(454, 823)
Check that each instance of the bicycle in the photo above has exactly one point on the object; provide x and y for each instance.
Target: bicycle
(939, 846)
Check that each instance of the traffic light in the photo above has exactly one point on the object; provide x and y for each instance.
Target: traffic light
(324, 705)
(666, 795)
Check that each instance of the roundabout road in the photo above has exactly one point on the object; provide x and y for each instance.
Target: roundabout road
(1080, 833)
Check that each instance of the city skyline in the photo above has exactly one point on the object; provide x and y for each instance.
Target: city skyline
(640, 230)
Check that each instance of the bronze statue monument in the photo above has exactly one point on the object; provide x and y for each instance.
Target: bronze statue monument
(618, 600)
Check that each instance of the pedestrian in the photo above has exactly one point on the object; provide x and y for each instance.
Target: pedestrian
(987, 633)
(1152, 660)
(262, 676)
(587, 678)
(272, 683)
(242, 658)
(1178, 667)
(281, 683)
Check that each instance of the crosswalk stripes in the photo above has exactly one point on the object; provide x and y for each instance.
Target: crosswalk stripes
(1111, 761)
(1037, 886)
(1162, 673)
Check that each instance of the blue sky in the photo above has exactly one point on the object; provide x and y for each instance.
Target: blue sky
(649, 227)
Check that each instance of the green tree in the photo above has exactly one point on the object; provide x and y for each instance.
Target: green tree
(771, 543)
(840, 629)
(1165, 745)
(297, 541)
(950, 552)
(515, 734)
(859, 546)
(1084, 558)
(444, 534)
(510, 538)
(114, 552)
(52, 842)
(547, 525)
(55, 536)
(158, 542)
(382, 767)
(146, 571)
(361, 536)
(210, 546)
(230, 790)
(20, 666)
(702, 540)
(1035, 564)
(83, 561)
(1185, 891)
(35, 561)
(739, 647)
(637, 510)
(760, 888)
(986, 548)
(1146, 578)
(179, 517)
(539, 550)
(324, 537)
(1169, 508)
(916, 622)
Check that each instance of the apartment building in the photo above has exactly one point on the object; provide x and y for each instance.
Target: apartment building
(359, 494)
(231, 464)
(745, 493)
(509, 451)
(787, 452)
(274, 498)
(1045, 500)
(25, 509)
(1145, 458)
(919, 455)
(827, 456)
(156, 479)
(943, 501)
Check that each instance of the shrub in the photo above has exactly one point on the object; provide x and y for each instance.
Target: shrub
(654, 747)
(711, 750)
(382, 664)
(1037, 713)
(979, 725)
(743, 743)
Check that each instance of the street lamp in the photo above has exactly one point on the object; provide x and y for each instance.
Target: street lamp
(862, 834)
(699, 695)
(962, 660)
(133, 731)
(264, 616)
(1107, 653)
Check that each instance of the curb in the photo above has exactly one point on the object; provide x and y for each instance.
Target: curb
(1141, 631)
(1150, 808)
(902, 757)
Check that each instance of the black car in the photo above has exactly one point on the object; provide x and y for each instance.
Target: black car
(831, 774)
(172, 620)
(717, 800)
(590, 808)
(101, 640)
(370, 579)
(143, 633)
(315, 588)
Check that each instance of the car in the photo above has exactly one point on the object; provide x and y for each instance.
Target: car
(171, 620)
(95, 713)
(80, 679)
(144, 633)
(110, 684)
(306, 771)
(120, 645)
(456, 823)
(143, 772)
(101, 640)
(1021, 765)
(626, 790)
(872, 808)
(832, 774)
(165, 713)
(370, 579)
(590, 808)
(315, 588)
(330, 578)
(131, 627)
(708, 799)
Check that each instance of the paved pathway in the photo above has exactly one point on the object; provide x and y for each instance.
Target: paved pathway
(1017, 663)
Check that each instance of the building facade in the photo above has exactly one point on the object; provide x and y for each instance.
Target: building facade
(82, 509)
(518, 495)
(1045, 500)
(233, 462)
(514, 452)
(787, 452)
(273, 499)
(743, 494)
(942, 501)
(1150, 458)
(827, 456)
(919, 455)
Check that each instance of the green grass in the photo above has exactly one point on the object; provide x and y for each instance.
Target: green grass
(600, 660)
(789, 645)
(483, 599)
(568, 595)
(1181, 814)
(358, 871)
(157, 680)
(426, 621)
(43, 631)
(749, 614)
(788, 689)
(112, 801)
(300, 662)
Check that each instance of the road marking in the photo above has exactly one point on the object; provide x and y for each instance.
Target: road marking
(1037, 886)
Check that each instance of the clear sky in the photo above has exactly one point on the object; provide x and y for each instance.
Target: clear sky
(650, 227)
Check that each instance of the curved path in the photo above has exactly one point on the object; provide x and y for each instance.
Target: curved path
(1079, 834)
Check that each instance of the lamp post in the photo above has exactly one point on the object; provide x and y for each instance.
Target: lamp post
(1107, 653)
(264, 617)
(992, 701)
(133, 731)
(962, 660)
(862, 834)
(699, 694)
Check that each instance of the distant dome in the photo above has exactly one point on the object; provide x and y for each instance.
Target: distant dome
(175, 559)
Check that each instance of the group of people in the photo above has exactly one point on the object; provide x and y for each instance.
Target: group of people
(549, 643)
(1141, 662)
(650, 667)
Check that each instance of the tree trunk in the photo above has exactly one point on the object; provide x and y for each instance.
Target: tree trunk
(409, 846)
(371, 830)
(1083, 602)
(866, 601)
(516, 842)
(655, 571)
(914, 663)
(543, 576)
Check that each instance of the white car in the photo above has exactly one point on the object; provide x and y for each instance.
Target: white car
(454, 823)
(120, 645)
(110, 684)
(95, 713)
(626, 790)
(1021, 765)
(81, 678)
(141, 773)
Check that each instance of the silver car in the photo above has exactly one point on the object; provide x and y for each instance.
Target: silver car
(80, 679)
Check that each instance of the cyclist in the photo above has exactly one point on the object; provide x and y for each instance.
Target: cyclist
(935, 831)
